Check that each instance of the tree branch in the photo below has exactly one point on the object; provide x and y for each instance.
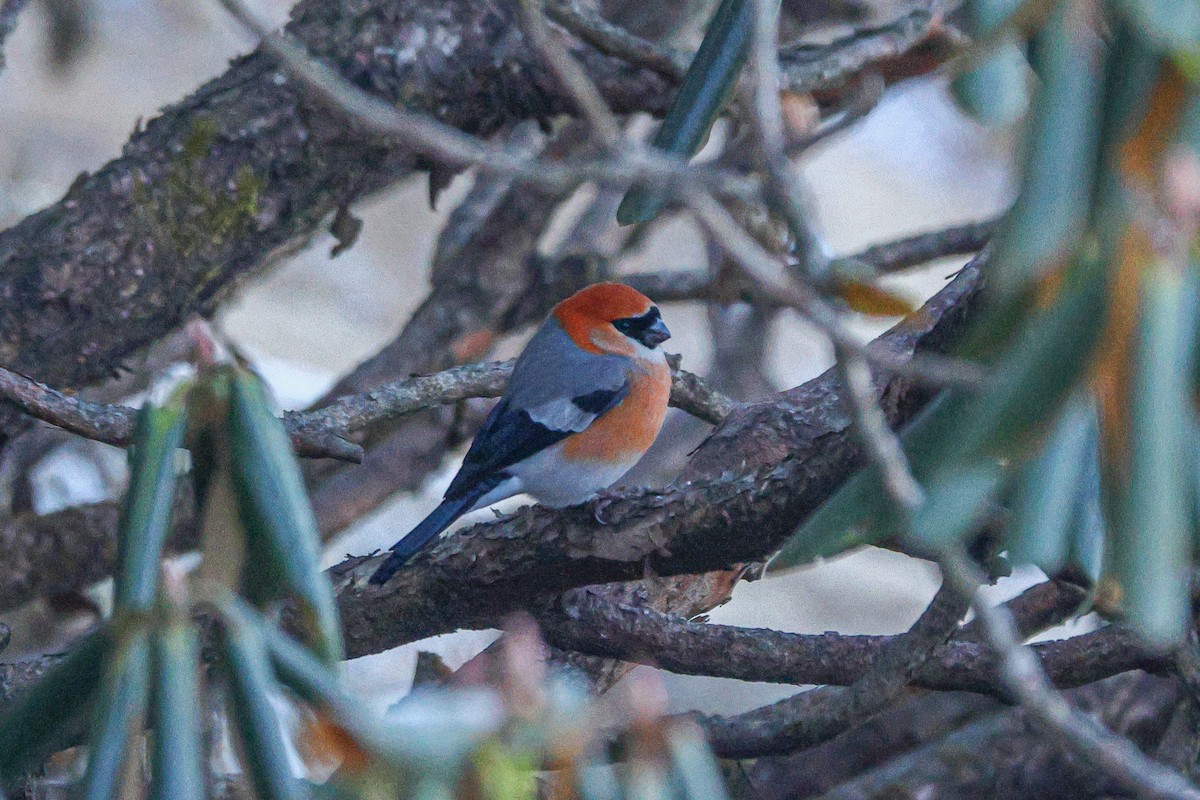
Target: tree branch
(766, 467)
(881, 739)
(603, 125)
(818, 715)
(205, 140)
(910, 45)
(323, 432)
(481, 270)
(594, 626)
(914, 251)
(455, 148)
(1005, 754)
(1034, 610)
(1021, 672)
(829, 65)
(47, 554)
(462, 313)
(247, 168)
(481, 265)
(614, 40)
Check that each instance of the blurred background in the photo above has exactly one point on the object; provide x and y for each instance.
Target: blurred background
(914, 164)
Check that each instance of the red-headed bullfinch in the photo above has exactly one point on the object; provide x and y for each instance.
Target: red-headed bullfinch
(585, 401)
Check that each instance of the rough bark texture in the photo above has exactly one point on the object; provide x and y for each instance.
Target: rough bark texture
(809, 718)
(15, 678)
(598, 627)
(962, 746)
(741, 495)
(908, 725)
(81, 532)
(1006, 756)
(79, 541)
(244, 169)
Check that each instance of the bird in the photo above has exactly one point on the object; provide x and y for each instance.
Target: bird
(586, 399)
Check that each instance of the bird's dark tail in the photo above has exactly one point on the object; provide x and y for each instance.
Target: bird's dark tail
(426, 531)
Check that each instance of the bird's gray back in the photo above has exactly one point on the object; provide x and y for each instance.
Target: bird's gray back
(552, 367)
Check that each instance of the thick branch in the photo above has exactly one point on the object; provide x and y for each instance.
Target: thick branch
(887, 735)
(63, 551)
(245, 168)
(1024, 676)
(816, 716)
(1006, 754)
(51, 553)
(596, 627)
(481, 265)
(757, 436)
(766, 467)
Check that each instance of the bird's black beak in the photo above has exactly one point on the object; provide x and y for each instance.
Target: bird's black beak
(655, 334)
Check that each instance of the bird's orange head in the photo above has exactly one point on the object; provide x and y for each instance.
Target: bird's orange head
(612, 318)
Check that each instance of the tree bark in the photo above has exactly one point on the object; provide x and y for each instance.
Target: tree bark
(245, 170)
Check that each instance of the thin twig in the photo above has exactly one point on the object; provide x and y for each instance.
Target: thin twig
(737, 501)
(686, 284)
(471, 217)
(880, 443)
(769, 285)
(1022, 673)
(485, 264)
(457, 149)
(322, 432)
(354, 413)
(575, 81)
(614, 40)
(882, 446)
(454, 148)
(862, 100)
(913, 251)
(808, 67)
(111, 424)
(766, 120)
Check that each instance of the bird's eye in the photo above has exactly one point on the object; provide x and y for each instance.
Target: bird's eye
(625, 326)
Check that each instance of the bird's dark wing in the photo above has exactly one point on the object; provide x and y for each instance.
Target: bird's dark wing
(510, 435)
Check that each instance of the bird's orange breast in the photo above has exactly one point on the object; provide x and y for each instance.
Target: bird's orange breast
(628, 430)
